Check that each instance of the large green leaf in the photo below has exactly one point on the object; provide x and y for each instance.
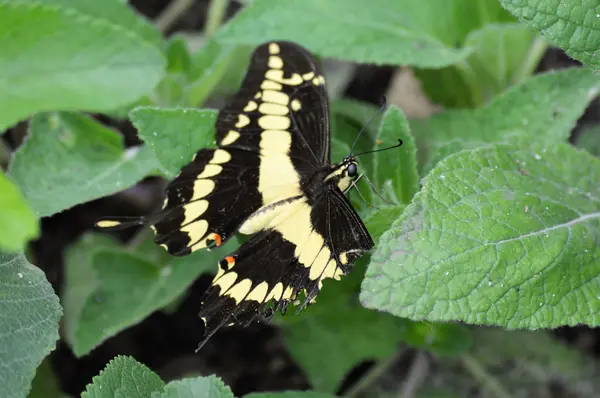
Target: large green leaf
(502, 235)
(175, 135)
(109, 288)
(19, 224)
(59, 55)
(545, 107)
(572, 25)
(69, 159)
(29, 328)
(408, 32)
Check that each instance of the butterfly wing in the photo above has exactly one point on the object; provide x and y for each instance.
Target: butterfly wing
(303, 245)
(276, 125)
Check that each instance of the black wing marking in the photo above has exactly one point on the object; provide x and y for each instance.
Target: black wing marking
(283, 82)
(280, 262)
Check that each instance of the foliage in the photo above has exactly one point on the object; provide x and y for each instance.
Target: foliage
(485, 215)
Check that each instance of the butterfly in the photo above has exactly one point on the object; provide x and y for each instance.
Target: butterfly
(270, 177)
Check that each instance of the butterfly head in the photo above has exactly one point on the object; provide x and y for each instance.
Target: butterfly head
(344, 173)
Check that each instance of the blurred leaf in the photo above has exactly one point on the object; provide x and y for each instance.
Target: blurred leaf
(68, 159)
(209, 66)
(61, 55)
(330, 337)
(117, 12)
(179, 59)
(124, 377)
(589, 140)
(409, 32)
(504, 54)
(29, 328)
(109, 288)
(19, 224)
(44, 384)
(572, 26)
(396, 168)
(442, 339)
(175, 135)
(502, 235)
(545, 107)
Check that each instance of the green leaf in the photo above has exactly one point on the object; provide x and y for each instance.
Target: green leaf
(396, 168)
(545, 107)
(116, 12)
(178, 55)
(502, 235)
(175, 135)
(409, 32)
(330, 337)
(572, 26)
(109, 288)
(124, 377)
(19, 224)
(443, 339)
(60, 56)
(69, 159)
(209, 66)
(289, 394)
(44, 384)
(504, 55)
(29, 328)
(197, 387)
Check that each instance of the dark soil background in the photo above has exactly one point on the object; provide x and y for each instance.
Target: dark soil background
(251, 359)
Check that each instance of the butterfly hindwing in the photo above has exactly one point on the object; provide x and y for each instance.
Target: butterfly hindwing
(303, 246)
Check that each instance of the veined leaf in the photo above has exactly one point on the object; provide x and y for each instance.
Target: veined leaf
(19, 224)
(29, 328)
(502, 235)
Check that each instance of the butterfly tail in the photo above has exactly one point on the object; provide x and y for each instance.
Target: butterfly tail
(119, 223)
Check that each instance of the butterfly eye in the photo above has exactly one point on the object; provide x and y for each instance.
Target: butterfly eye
(352, 170)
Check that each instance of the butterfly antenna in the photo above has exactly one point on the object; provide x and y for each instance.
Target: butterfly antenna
(399, 144)
(381, 108)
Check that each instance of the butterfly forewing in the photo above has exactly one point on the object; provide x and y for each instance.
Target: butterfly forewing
(273, 127)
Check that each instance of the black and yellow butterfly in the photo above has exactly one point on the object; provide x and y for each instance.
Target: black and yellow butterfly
(270, 176)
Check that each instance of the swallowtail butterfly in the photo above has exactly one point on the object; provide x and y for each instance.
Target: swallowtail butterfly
(270, 177)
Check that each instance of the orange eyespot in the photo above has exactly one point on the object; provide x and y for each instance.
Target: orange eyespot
(213, 240)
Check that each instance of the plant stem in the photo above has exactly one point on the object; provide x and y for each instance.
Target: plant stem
(416, 375)
(373, 374)
(481, 375)
(216, 13)
(466, 71)
(172, 13)
(536, 52)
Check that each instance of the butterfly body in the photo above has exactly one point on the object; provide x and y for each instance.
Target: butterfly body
(270, 177)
